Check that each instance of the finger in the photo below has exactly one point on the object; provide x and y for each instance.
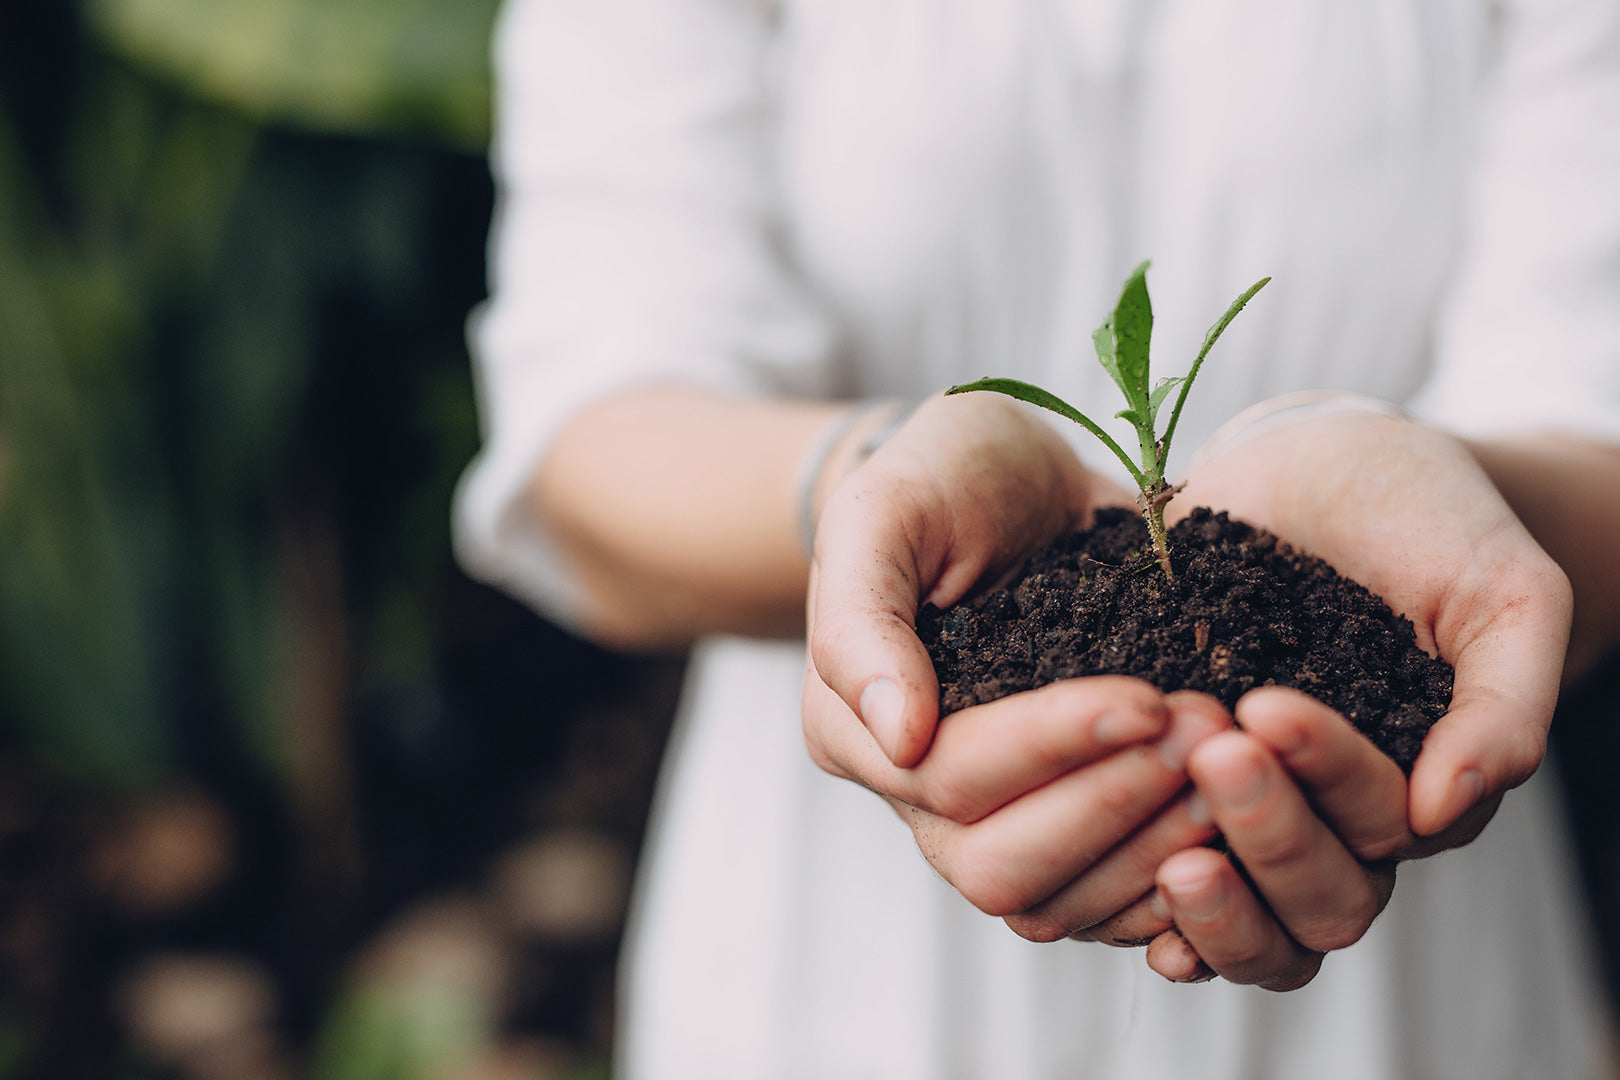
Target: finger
(1315, 887)
(1226, 926)
(1134, 927)
(1172, 956)
(1091, 906)
(986, 756)
(1013, 859)
(1508, 658)
(864, 588)
(1353, 785)
(835, 737)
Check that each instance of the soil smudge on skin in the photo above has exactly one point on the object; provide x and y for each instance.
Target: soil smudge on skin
(1244, 610)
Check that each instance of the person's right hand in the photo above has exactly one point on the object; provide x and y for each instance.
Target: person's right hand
(1314, 815)
(1052, 808)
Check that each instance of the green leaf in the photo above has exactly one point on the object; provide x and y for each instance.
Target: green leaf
(1024, 391)
(1102, 339)
(1210, 338)
(1219, 328)
(1128, 331)
(1161, 392)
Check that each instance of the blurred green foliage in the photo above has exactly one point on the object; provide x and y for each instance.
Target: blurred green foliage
(377, 1031)
(83, 532)
(13, 1046)
(177, 270)
(238, 243)
(341, 65)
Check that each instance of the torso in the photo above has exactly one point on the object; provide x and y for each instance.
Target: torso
(966, 184)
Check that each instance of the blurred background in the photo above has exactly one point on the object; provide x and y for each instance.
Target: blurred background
(282, 793)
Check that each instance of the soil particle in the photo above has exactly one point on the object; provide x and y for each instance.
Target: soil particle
(1244, 610)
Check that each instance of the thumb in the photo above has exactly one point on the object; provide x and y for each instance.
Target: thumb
(1494, 735)
(864, 594)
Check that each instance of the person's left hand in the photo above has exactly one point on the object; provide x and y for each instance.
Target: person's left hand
(1314, 813)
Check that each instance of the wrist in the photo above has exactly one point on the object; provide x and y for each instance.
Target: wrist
(841, 447)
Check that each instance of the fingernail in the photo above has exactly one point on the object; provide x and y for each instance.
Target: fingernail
(1237, 784)
(1200, 896)
(1466, 791)
(1125, 727)
(1159, 907)
(1198, 810)
(881, 706)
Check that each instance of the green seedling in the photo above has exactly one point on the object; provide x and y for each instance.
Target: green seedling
(1122, 349)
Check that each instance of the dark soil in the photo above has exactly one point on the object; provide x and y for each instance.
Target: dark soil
(1244, 610)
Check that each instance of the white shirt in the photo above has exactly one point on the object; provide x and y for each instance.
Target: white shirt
(876, 197)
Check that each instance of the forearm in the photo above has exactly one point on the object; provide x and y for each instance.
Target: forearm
(676, 508)
(1566, 490)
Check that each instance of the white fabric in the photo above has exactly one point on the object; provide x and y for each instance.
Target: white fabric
(879, 197)
(786, 926)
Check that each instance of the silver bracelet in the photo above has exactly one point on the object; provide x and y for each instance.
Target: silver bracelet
(1286, 409)
(821, 448)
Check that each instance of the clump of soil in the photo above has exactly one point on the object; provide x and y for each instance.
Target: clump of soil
(1244, 610)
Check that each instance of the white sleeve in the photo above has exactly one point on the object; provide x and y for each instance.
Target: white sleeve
(1530, 335)
(634, 241)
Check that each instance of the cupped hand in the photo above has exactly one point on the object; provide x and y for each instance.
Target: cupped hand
(1052, 807)
(1316, 817)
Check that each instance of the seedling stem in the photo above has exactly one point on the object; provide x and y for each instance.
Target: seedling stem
(1122, 349)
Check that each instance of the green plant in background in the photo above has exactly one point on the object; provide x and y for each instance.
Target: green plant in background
(418, 67)
(83, 539)
(238, 242)
(404, 1030)
(234, 400)
(1122, 349)
(168, 277)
